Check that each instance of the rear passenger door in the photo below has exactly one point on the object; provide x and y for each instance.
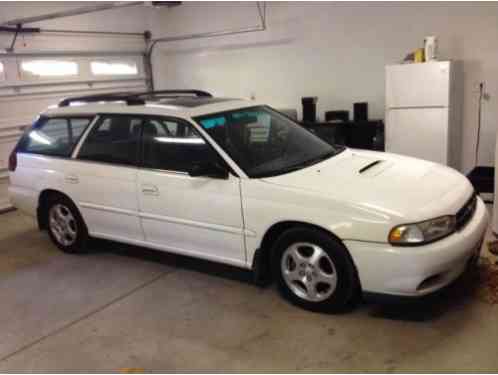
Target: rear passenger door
(199, 216)
(104, 177)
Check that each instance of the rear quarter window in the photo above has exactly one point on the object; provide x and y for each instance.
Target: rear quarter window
(56, 136)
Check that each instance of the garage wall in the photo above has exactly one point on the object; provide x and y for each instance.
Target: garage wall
(22, 96)
(129, 19)
(336, 51)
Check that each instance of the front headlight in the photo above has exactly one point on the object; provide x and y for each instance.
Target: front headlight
(423, 232)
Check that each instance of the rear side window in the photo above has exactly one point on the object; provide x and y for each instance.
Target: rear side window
(54, 136)
(114, 139)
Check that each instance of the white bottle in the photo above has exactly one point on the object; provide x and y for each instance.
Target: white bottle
(430, 44)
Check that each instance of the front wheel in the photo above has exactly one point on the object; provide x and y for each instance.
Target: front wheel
(66, 226)
(314, 271)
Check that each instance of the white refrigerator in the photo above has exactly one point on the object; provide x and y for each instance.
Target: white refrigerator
(423, 111)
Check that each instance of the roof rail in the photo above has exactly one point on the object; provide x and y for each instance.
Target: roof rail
(128, 98)
(132, 98)
(176, 93)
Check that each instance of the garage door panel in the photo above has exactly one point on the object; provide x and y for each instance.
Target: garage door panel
(23, 97)
(24, 105)
(6, 146)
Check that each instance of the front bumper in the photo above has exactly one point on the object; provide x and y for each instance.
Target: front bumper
(418, 271)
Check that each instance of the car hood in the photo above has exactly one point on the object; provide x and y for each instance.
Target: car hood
(395, 185)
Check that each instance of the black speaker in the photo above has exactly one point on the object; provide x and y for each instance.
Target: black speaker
(309, 109)
(360, 112)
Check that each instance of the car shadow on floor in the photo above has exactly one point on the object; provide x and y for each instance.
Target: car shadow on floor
(173, 260)
(455, 296)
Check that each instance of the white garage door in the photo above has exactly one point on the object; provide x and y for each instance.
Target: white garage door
(29, 83)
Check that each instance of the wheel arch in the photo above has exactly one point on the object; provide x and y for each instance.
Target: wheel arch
(43, 201)
(262, 257)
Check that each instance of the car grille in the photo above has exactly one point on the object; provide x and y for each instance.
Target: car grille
(465, 213)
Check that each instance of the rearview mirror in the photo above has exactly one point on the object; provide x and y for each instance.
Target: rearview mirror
(209, 169)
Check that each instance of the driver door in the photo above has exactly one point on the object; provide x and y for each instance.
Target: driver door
(198, 216)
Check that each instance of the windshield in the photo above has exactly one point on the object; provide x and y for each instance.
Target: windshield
(263, 142)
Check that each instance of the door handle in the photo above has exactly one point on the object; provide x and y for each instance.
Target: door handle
(71, 179)
(150, 190)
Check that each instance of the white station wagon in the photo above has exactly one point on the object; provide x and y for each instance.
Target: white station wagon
(237, 182)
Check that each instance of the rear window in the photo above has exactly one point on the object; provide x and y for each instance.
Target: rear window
(48, 68)
(114, 68)
(54, 136)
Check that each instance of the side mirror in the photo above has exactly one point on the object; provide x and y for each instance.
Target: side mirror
(209, 169)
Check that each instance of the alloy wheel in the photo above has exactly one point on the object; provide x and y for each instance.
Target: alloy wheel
(63, 224)
(308, 271)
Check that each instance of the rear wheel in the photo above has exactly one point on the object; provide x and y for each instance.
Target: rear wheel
(66, 226)
(314, 270)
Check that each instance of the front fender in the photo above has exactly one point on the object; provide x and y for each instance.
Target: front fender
(265, 205)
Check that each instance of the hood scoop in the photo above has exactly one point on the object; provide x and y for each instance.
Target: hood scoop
(370, 165)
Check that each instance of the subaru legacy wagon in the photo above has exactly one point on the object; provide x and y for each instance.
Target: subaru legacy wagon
(237, 182)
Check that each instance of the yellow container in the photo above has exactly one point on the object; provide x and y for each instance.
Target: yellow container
(419, 55)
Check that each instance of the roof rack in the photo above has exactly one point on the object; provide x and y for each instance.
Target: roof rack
(176, 93)
(128, 98)
(133, 98)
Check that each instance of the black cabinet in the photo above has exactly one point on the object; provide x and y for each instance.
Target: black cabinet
(367, 135)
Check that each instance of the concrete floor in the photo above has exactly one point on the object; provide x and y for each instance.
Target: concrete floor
(124, 308)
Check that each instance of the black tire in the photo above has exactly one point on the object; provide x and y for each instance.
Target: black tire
(73, 246)
(347, 287)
